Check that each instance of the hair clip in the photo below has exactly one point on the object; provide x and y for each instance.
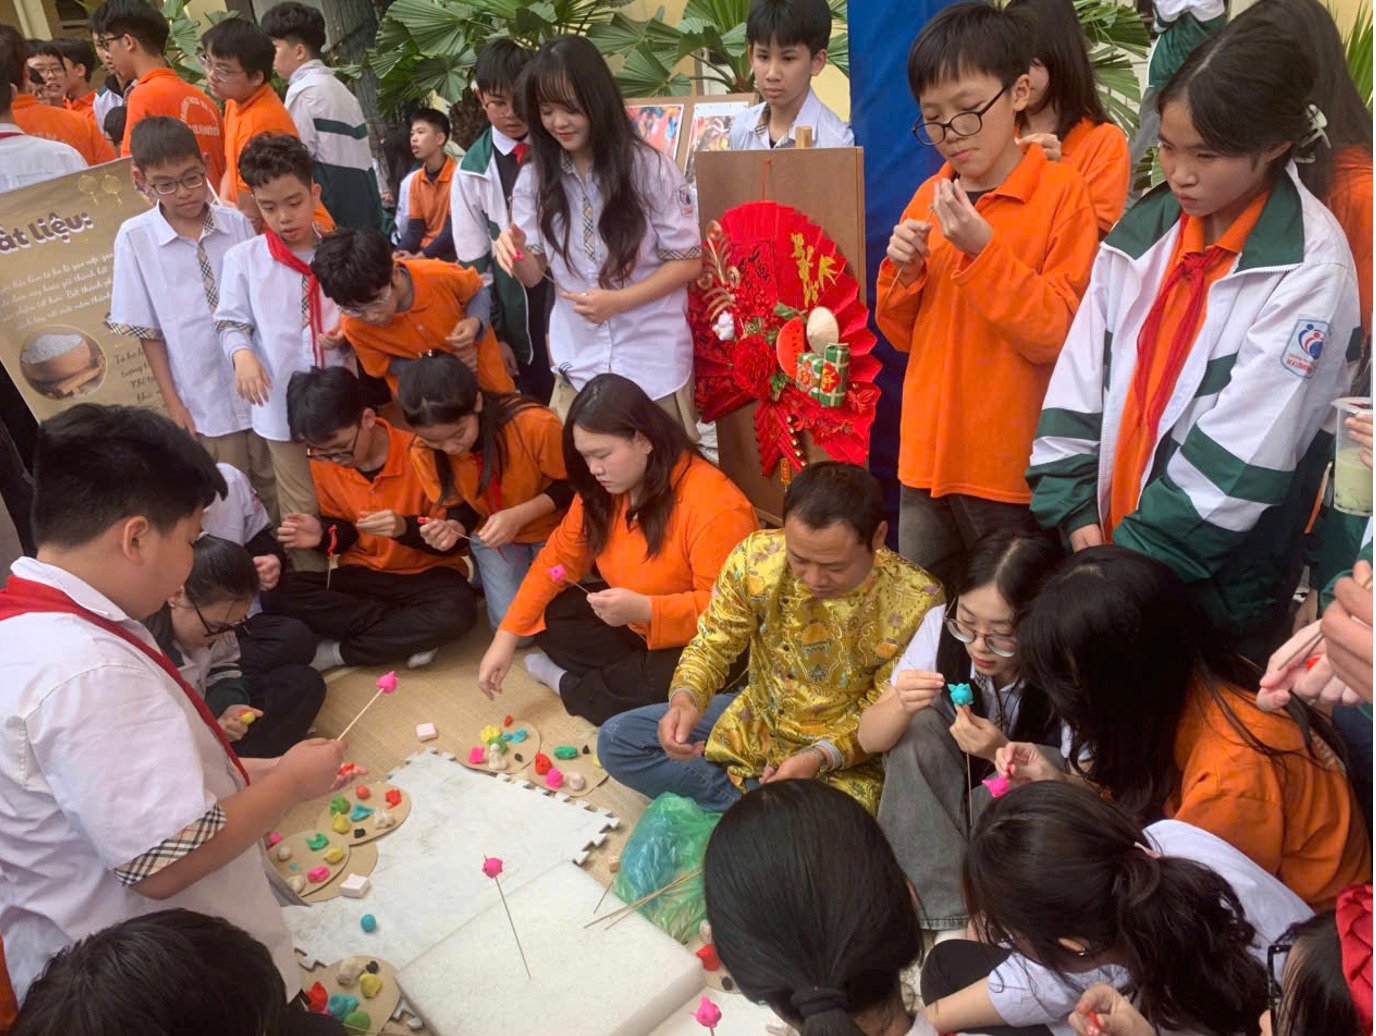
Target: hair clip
(1318, 126)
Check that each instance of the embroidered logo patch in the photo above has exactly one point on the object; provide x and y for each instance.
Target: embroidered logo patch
(1304, 348)
(686, 205)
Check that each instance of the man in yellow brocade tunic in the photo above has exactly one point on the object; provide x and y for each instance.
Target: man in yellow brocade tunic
(826, 612)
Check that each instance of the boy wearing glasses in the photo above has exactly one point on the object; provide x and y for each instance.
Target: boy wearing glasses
(983, 276)
(395, 310)
(328, 117)
(273, 320)
(166, 285)
(480, 205)
(238, 67)
(392, 596)
(129, 37)
(38, 119)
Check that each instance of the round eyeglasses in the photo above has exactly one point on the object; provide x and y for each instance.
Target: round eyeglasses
(962, 124)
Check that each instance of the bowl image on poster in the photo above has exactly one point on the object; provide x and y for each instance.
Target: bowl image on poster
(62, 362)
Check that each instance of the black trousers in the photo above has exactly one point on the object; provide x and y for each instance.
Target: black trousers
(610, 670)
(957, 963)
(378, 617)
(276, 657)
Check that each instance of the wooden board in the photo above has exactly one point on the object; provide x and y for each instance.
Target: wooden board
(581, 763)
(305, 859)
(377, 802)
(379, 1008)
(362, 859)
(525, 749)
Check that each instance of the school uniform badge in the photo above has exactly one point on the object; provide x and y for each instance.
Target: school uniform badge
(686, 204)
(1304, 347)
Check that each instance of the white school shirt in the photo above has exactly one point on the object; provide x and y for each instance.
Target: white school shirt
(239, 515)
(651, 344)
(262, 309)
(476, 204)
(26, 159)
(166, 286)
(102, 759)
(750, 129)
(1027, 994)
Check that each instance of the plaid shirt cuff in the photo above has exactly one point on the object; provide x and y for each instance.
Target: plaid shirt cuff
(170, 850)
(669, 254)
(133, 330)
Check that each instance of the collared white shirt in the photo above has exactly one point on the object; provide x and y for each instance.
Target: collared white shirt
(161, 289)
(103, 758)
(651, 344)
(239, 515)
(261, 310)
(750, 129)
(26, 159)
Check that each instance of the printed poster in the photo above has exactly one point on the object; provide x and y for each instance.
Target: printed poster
(659, 124)
(56, 244)
(711, 130)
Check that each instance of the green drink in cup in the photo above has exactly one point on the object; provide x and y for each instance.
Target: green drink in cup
(1351, 476)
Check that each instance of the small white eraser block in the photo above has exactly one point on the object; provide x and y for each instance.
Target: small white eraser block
(426, 731)
(355, 886)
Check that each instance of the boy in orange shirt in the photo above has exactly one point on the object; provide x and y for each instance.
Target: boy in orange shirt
(130, 36)
(983, 276)
(425, 228)
(396, 310)
(392, 596)
(238, 68)
(43, 120)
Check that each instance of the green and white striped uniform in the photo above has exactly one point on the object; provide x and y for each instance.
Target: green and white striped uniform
(331, 124)
(1244, 439)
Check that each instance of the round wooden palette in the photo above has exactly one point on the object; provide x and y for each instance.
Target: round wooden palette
(582, 763)
(362, 859)
(376, 800)
(305, 859)
(525, 749)
(379, 1008)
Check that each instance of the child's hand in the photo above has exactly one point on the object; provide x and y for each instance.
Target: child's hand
(332, 340)
(1359, 428)
(1086, 536)
(976, 735)
(310, 768)
(1022, 764)
(496, 664)
(465, 335)
(441, 533)
(509, 361)
(916, 689)
(181, 416)
(300, 531)
(500, 529)
(250, 378)
(1048, 142)
(908, 247)
(509, 248)
(618, 607)
(269, 568)
(596, 305)
(960, 223)
(1103, 1011)
(381, 523)
(232, 723)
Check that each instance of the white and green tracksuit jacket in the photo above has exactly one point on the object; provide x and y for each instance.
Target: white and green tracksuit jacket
(1243, 441)
(478, 213)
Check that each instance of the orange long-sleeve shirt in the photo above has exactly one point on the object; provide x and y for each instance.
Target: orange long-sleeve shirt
(1294, 815)
(1099, 153)
(441, 289)
(263, 112)
(348, 494)
(162, 92)
(534, 441)
(709, 518)
(982, 334)
(43, 120)
(1349, 199)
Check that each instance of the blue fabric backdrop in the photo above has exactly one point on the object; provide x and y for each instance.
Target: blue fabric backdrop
(882, 110)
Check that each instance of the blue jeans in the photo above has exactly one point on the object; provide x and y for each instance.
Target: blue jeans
(501, 572)
(628, 748)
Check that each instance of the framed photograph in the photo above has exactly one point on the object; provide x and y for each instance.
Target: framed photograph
(660, 124)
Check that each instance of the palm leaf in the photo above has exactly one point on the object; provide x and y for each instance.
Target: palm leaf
(1357, 51)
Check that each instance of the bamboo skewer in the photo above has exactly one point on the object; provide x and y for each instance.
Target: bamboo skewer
(624, 911)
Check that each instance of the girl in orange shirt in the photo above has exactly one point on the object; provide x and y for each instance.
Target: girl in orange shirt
(656, 522)
(494, 461)
(1064, 115)
(1163, 720)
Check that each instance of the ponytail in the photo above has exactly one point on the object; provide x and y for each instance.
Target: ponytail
(1053, 861)
(809, 909)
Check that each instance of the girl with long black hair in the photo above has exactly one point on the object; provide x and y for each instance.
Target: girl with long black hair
(494, 461)
(616, 592)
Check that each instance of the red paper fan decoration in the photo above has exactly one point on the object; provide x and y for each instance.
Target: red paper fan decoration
(766, 264)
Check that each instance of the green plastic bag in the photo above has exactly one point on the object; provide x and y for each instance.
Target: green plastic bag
(668, 842)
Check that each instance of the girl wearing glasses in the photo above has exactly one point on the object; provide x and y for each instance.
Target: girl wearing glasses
(1067, 891)
(199, 629)
(1164, 720)
(926, 801)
